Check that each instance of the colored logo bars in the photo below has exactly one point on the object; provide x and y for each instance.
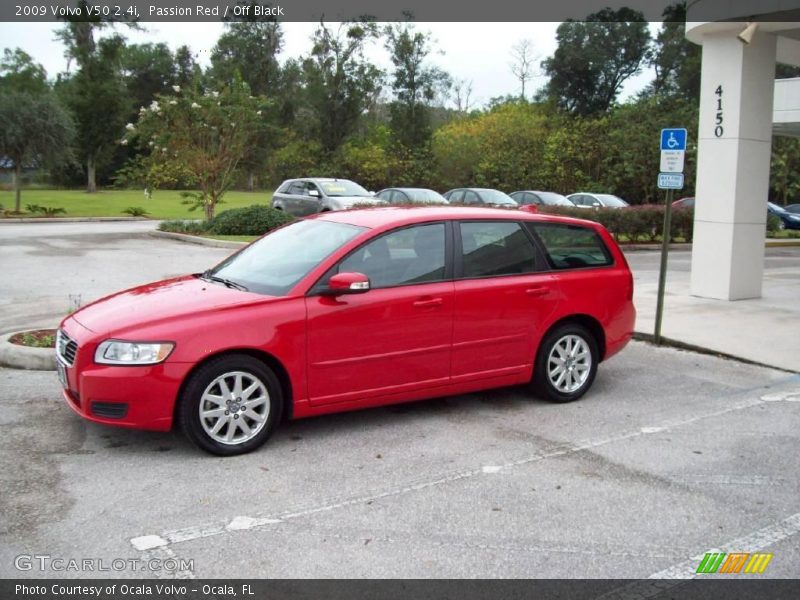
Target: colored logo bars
(736, 562)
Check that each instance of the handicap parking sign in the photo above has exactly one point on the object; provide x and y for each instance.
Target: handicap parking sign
(673, 139)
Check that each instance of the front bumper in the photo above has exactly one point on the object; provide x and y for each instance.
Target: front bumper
(133, 397)
(137, 397)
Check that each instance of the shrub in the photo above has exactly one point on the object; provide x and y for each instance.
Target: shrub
(636, 224)
(188, 227)
(135, 211)
(773, 224)
(253, 220)
(47, 211)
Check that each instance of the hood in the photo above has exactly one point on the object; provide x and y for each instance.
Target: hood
(164, 300)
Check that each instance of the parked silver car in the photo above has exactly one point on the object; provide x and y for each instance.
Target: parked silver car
(537, 198)
(591, 200)
(300, 197)
(479, 196)
(408, 195)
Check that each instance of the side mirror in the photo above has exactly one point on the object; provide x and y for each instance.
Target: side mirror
(314, 193)
(531, 208)
(348, 283)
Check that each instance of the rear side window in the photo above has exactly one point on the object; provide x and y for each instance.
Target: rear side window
(493, 248)
(572, 246)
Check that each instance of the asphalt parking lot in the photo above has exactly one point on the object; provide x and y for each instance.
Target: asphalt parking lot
(671, 455)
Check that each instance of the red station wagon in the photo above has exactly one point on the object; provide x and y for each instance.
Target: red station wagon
(348, 310)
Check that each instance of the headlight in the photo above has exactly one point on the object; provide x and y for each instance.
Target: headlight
(115, 352)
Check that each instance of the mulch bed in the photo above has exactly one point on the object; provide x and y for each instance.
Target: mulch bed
(41, 338)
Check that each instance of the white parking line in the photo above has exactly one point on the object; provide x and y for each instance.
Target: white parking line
(241, 523)
(687, 569)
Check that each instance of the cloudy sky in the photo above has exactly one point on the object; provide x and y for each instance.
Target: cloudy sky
(477, 52)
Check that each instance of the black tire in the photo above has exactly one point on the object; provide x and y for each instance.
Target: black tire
(226, 368)
(542, 384)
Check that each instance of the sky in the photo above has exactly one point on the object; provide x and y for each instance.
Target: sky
(476, 52)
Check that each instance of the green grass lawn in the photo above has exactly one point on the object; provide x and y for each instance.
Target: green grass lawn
(164, 204)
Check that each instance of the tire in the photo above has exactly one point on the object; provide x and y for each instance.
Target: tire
(235, 422)
(556, 384)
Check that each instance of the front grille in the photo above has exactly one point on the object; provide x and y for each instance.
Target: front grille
(66, 348)
(110, 410)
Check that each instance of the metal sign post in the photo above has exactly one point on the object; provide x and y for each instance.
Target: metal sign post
(673, 151)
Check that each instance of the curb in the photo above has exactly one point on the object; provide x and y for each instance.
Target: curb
(23, 357)
(15, 220)
(200, 241)
(679, 345)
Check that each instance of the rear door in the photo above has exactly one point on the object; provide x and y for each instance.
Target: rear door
(504, 296)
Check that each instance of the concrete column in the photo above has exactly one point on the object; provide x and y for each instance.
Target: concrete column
(733, 162)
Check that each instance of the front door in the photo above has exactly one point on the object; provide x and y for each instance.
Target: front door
(393, 338)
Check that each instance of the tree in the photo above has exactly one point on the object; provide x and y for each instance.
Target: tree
(249, 50)
(95, 94)
(522, 64)
(202, 137)
(187, 71)
(413, 82)
(675, 59)
(18, 72)
(147, 69)
(594, 58)
(340, 82)
(462, 92)
(34, 130)
(785, 170)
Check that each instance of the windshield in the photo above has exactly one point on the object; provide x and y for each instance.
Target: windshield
(554, 199)
(775, 207)
(276, 262)
(342, 187)
(613, 201)
(497, 197)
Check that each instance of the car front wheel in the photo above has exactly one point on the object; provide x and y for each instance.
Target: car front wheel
(566, 363)
(230, 405)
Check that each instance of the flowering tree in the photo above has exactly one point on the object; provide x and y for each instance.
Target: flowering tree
(201, 137)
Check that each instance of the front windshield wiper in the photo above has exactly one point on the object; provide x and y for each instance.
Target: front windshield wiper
(209, 276)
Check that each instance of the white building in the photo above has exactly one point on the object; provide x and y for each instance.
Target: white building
(741, 107)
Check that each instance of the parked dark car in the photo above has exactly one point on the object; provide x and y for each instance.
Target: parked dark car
(787, 220)
(591, 200)
(537, 198)
(479, 196)
(687, 202)
(301, 197)
(410, 195)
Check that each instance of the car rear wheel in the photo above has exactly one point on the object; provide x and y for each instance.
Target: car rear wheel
(566, 363)
(231, 405)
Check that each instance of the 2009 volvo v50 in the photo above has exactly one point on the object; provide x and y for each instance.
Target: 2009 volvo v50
(353, 309)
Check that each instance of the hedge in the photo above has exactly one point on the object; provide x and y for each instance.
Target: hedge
(252, 220)
(642, 223)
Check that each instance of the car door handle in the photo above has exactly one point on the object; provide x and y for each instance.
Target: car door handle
(537, 291)
(428, 303)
